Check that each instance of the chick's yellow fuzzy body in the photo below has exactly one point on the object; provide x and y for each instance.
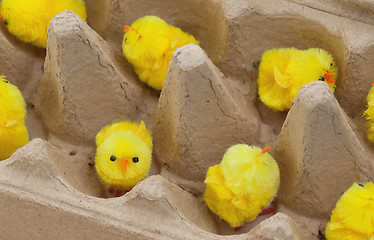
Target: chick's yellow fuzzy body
(273, 83)
(308, 66)
(28, 20)
(149, 45)
(283, 71)
(245, 182)
(13, 132)
(369, 114)
(123, 155)
(353, 216)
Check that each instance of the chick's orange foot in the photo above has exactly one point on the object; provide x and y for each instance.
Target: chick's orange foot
(238, 228)
(118, 192)
(267, 211)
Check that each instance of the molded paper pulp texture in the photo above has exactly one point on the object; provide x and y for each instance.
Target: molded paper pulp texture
(82, 82)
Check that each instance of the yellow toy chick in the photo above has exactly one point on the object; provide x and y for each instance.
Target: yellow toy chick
(273, 86)
(311, 65)
(283, 71)
(353, 216)
(149, 45)
(245, 182)
(369, 113)
(123, 155)
(28, 20)
(13, 132)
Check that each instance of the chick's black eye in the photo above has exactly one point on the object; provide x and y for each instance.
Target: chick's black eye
(6, 81)
(321, 78)
(125, 39)
(360, 185)
(113, 158)
(330, 64)
(6, 22)
(135, 159)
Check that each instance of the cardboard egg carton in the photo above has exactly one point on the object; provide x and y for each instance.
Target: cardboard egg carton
(82, 82)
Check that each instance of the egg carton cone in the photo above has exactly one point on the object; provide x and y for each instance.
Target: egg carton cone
(82, 82)
(83, 87)
(319, 155)
(195, 100)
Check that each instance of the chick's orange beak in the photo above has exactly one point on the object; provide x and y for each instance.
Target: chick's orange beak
(124, 164)
(328, 78)
(265, 149)
(1, 18)
(126, 28)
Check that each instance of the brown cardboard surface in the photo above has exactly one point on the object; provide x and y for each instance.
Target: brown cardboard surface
(318, 153)
(82, 82)
(199, 116)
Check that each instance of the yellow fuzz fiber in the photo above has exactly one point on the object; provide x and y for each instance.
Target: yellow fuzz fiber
(369, 114)
(28, 20)
(149, 45)
(283, 71)
(123, 141)
(13, 132)
(308, 66)
(245, 182)
(353, 216)
(271, 75)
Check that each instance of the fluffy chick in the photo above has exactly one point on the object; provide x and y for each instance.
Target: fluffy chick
(123, 155)
(369, 114)
(273, 83)
(353, 216)
(245, 182)
(311, 65)
(283, 71)
(149, 45)
(13, 132)
(28, 20)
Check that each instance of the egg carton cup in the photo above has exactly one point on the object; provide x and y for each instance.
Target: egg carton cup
(81, 82)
